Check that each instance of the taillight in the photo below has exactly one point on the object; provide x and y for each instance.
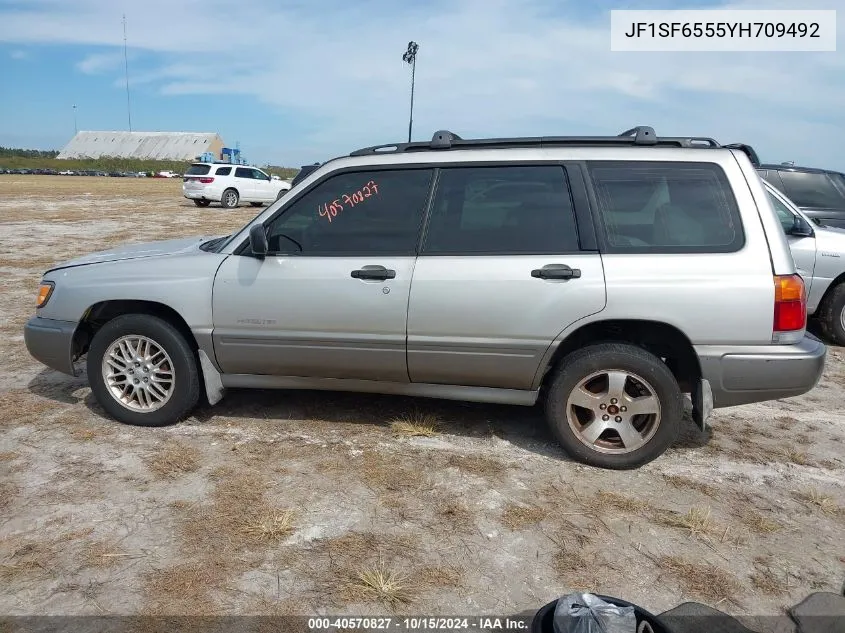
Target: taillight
(790, 303)
(206, 181)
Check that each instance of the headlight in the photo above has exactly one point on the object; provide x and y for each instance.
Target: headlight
(44, 292)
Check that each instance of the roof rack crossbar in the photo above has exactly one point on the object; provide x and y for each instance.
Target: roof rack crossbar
(445, 140)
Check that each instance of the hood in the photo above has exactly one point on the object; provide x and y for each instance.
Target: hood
(135, 251)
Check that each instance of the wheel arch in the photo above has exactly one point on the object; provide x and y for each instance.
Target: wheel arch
(837, 281)
(662, 339)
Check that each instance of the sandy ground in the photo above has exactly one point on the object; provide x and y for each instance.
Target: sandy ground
(306, 503)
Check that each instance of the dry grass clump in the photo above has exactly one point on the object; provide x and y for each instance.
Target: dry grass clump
(519, 517)
(817, 499)
(455, 514)
(477, 465)
(439, 576)
(380, 584)
(605, 500)
(578, 569)
(176, 459)
(756, 522)
(416, 424)
(795, 456)
(679, 481)
(183, 589)
(101, 554)
(702, 579)
(273, 525)
(27, 558)
(764, 579)
(696, 521)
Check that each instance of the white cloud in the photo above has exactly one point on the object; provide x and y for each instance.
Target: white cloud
(485, 67)
(100, 62)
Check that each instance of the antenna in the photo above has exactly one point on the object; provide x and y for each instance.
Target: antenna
(126, 66)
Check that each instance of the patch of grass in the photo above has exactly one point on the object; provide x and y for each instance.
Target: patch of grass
(702, 579)
(387, 473)
(785, 422)
(604, 501)
(696, 521)
(756, 522)
(8, 456)
(577, 568)
(796, 457)
(439, 576)
(519, 517)
(102, 554)
(273, 525)
(477, 465)
(417, 424)
(455, 514)
(764, 579)
(380, 584)
(822, 502)
(9, 491)
(28, 558)
(679, 481)
(183, 589)
(174, 460)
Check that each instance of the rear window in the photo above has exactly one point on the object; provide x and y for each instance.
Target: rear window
(666, 207)
(198, 170)
(223, 171)
(812, 190)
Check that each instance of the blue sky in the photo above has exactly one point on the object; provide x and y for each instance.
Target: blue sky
(294, 81)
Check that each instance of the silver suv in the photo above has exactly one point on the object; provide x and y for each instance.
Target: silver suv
(606, 277)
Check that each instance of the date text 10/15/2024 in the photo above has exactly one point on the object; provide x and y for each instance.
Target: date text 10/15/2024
(329, 210)
(420, 623)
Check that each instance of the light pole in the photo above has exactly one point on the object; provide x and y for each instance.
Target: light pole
(75, 129)
(410, 57)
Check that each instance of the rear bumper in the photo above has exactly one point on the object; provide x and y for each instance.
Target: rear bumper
(51, 342)
(745, 374)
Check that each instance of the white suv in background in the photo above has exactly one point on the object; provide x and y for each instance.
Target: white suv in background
(230, 185)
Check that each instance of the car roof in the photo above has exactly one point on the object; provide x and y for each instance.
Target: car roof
(797, 168)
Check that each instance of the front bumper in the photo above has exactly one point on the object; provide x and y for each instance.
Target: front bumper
(756, 373)
(51, 342)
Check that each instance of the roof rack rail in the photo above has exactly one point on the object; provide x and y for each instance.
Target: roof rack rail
(642, 135)
(747, 150)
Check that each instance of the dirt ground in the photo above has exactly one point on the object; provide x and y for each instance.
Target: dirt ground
(310, 502)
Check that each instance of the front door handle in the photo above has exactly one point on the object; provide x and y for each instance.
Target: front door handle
(556, 271)
(374, 273)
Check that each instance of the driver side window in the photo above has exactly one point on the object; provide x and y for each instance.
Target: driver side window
(355, 213)
(786, 217)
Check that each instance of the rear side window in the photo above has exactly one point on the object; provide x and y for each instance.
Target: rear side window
(224, 171)
(198, 170)
(502, 210)
(243, 172)
(812, 190)
(663, 207)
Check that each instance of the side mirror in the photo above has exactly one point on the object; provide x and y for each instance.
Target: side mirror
(801, 228)
(258, 240)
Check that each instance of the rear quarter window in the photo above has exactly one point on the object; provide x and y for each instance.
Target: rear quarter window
(198, 170)
(665, 207)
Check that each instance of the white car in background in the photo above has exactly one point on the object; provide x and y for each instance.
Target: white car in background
(230, 185)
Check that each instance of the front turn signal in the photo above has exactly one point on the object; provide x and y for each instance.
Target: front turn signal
(44, 292)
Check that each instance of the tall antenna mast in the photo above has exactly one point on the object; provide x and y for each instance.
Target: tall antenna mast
(126, 66)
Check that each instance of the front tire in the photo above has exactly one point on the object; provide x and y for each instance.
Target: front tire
(229, 199)
(201, 203)
(614, 406)
(832, 315)
(142, 371)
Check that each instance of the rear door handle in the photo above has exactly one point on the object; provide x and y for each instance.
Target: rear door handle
(556, 271)
(374, 273)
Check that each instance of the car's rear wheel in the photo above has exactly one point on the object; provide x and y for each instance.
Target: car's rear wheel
(255, 204)
(230, 199)
(614, 405)
(201, 203)
(281, 193)
(832, 315)
(142, 371)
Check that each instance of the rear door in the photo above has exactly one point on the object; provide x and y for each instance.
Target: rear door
(245, 184)
(500, 274)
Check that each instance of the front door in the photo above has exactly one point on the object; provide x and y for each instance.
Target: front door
(803, 248)
(331, 299)
(499, 277)
(264, 191)
(245, 184)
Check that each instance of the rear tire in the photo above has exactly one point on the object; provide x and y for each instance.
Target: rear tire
(832, 315)
(229, 199)
(591, 400)
(130, 353)
(281, 193)
(202, 203)
(255, 204)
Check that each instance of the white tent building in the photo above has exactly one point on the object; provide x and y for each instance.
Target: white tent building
(144, 145)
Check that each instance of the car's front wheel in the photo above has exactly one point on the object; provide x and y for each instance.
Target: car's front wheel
(614, 405)
(142, 371)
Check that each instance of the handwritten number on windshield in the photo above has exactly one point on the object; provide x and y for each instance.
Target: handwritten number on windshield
(329, 210)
